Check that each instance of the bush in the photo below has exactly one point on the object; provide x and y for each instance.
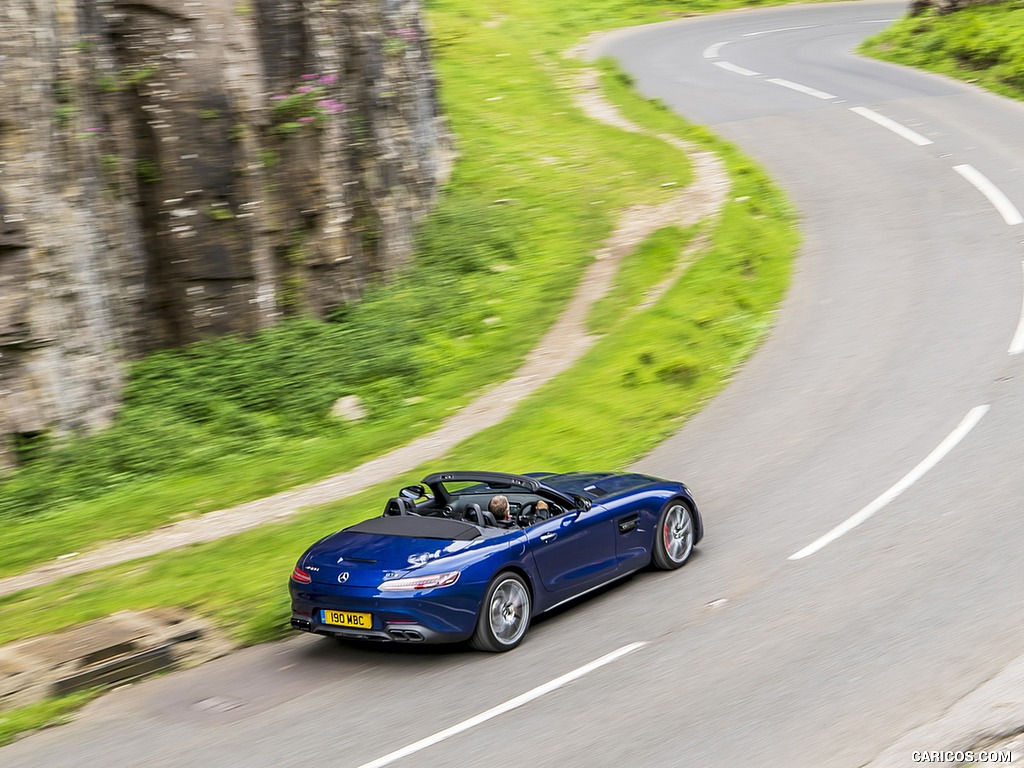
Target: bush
(184, 409)
(983, 43)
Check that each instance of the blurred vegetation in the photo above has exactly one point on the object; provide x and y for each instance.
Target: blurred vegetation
(188, 407)
(537, 189)
(43, 713)
(239, 420)
(651, 369)
(983, 44)
(639, 273)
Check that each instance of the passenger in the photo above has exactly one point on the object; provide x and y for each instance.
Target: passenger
(499, 507)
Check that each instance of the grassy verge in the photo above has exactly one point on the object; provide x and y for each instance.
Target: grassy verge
(981, 44)
(656, 367)
(639, 273)
(578, 420)
(650, 370)
(626, 394)
(44, 713)
(537, 188)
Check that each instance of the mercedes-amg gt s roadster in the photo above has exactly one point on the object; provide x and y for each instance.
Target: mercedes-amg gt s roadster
(474, 555)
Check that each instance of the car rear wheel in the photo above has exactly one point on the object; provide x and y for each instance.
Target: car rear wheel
(504, 615)
(673, 539)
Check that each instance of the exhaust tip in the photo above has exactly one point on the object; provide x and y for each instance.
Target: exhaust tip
(405, 635)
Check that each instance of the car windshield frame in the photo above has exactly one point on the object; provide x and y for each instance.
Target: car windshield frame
(493, 482)
(472, 487)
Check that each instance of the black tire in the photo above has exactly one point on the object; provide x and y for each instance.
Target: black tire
(673, 537)
(504, 614)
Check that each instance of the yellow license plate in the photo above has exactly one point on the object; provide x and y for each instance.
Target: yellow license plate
(347, 619)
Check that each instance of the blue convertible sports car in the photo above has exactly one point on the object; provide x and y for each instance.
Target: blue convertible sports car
(474, 555)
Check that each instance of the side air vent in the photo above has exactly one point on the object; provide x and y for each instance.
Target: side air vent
(628, 523)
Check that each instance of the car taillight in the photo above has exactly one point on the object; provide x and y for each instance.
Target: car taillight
(301, 576)
(420, 582)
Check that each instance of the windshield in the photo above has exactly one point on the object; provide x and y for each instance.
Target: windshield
(464, 487)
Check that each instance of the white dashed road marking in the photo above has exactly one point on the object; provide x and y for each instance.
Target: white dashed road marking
(501, 709)
(900, 130)
(711, 52)
(801, 88)
(1017, 345)
(738, 70)
(969, 422)
(995, 196)
(780, 29)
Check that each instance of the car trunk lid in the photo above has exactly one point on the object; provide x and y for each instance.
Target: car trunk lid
(367, 553)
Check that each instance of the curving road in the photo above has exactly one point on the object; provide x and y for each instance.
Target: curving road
(885, 414)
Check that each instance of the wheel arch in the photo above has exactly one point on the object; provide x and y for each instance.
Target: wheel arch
(698, 522)
(522, 573)
(663, 502)
(485, 636)
(681, 498)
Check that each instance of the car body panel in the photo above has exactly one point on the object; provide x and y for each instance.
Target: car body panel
(574, 551)
(366, 556)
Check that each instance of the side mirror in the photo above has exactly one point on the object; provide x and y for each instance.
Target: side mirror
(583, 504)
(413, 492)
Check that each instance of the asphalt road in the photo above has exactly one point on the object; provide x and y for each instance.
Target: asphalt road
(899, 325)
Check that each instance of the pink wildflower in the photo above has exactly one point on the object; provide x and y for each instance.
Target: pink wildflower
(309, 77)
(328, 80)
(331, 106)
(304, 89)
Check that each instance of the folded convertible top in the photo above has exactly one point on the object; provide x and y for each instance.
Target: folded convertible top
(416, 527)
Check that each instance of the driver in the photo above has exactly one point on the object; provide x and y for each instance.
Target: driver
(499, 507)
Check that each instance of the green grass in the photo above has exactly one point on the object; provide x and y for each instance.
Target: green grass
(537, 188)
(640, 272)
(41, 714)
(656, 367)
(983, 44)
(650, 370)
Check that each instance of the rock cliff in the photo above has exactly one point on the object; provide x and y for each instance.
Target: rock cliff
(172, 170)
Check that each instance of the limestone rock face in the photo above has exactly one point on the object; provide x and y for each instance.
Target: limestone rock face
(172, 170)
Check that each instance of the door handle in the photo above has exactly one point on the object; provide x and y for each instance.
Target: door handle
(546, 537)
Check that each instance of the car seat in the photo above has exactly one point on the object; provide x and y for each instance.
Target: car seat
(398, 505)
(477, 516)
